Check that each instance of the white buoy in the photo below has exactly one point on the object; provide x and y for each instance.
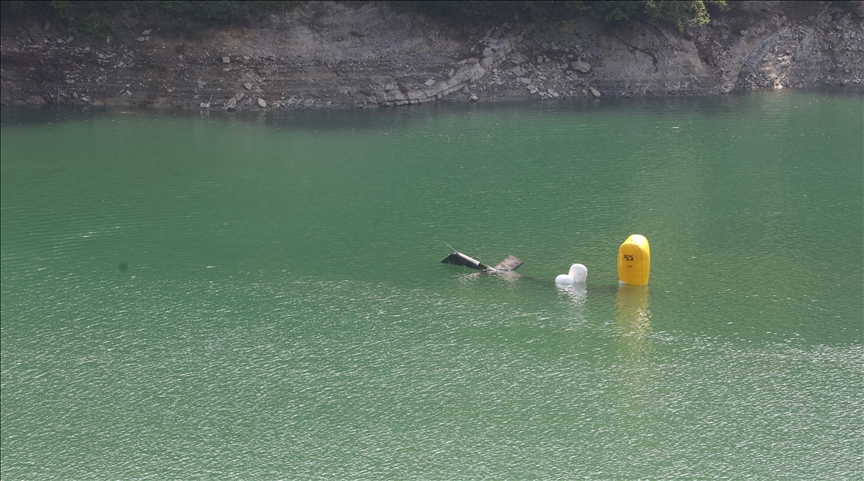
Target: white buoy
(578, 273)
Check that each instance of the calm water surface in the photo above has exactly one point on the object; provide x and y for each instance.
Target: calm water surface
(261, 297)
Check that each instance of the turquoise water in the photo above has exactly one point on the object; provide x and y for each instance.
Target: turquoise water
(261, 296)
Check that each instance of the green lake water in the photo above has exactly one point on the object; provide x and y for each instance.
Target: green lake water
(252, 296)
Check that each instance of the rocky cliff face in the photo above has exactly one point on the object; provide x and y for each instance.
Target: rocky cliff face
(356, 55)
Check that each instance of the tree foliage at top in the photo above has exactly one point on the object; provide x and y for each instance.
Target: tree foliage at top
(94, 18)
(97, 18)
(680, 14)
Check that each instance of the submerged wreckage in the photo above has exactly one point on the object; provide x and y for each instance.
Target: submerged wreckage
(634, 264)
(510, 263)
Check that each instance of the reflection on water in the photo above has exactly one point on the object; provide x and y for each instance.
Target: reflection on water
(574, 292)
(634, 320)
(508, 277)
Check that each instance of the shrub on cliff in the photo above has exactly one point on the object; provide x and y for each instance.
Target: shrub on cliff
(680, 14)
(97, 18)
(81, 19)
(191, 17)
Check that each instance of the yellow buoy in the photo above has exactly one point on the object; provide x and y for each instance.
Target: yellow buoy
(634, 261)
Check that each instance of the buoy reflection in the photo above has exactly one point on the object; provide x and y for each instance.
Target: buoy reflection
(634, 319)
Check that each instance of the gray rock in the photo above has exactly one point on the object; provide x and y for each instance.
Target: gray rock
(226, 60)
(581, 66)
(487, 52)
(231, 104)
(262, 103)
(525, 80)
(473, 98)
(248, 86)
(430, 82)
(595, 92)
(145, 32)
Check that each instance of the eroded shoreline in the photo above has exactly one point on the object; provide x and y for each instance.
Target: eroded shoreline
(367, 56)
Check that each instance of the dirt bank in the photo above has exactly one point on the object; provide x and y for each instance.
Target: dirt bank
(359, 55)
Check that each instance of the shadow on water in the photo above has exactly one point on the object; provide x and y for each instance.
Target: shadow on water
(391, 118)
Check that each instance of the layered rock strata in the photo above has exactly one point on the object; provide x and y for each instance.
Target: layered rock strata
(360, 55)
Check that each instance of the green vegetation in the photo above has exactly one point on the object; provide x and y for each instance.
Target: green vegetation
(193, 16)
(100, 18)
(680, 14)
